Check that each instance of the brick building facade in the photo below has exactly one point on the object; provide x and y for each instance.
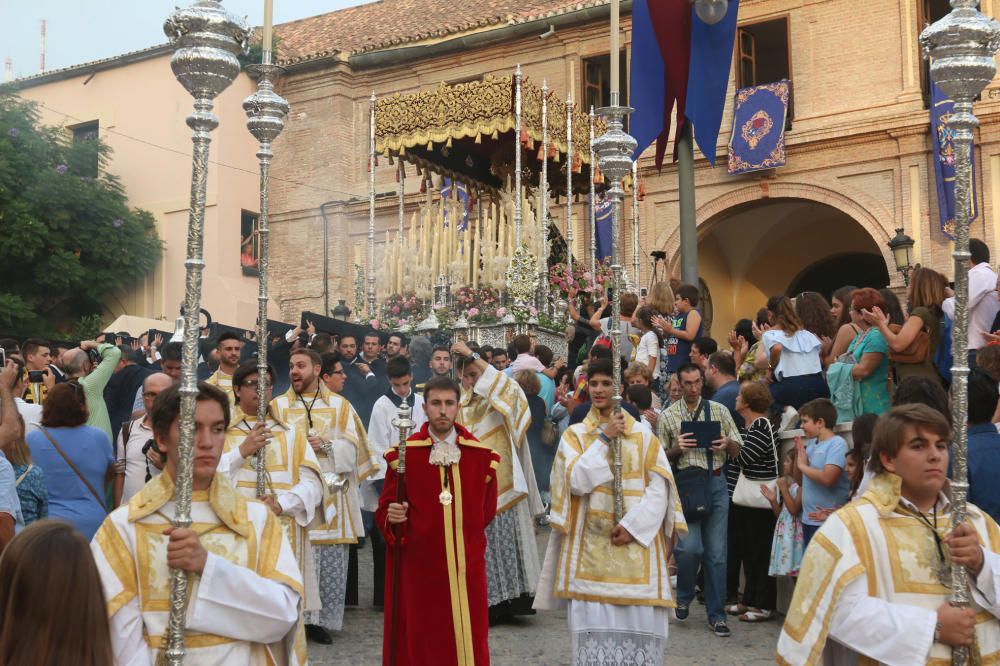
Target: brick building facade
(859, 152)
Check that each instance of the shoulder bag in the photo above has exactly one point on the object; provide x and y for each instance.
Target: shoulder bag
(747, 492)
(17, 484)
(550, 432)
(76, 470)
(919, 350)
(694, 485)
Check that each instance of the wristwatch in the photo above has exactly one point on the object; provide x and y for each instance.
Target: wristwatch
(474, 356)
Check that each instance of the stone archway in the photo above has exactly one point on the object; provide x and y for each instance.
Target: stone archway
(752, 249)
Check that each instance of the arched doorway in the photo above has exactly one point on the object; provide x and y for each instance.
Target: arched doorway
(757, 249)
(826, 276)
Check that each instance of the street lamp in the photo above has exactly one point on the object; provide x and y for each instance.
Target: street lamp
(902, 248)
(711, 11)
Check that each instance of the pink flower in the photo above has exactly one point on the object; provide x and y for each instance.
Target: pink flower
(473, 312)
(533, 310)
(396, 310)
(501, 312)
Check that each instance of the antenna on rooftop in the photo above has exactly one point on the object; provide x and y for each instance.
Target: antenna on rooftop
(41, 58)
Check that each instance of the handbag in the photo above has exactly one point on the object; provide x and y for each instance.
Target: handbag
(918, 351)
(747, 492)
(76, 470)
(694, 485)
(550, 432)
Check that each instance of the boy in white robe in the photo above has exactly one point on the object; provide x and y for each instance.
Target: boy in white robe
(872, 586)
(614, 578)
(245, 590)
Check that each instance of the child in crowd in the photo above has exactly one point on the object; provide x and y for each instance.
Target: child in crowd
(853, 469)
(862, 431)
(821, 462)
(788, 545)
(680, 329)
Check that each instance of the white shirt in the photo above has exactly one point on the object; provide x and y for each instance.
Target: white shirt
(799, 353)
(135, 459)
(382, 435)
(983, 303)
(31, 413)
(649, 347)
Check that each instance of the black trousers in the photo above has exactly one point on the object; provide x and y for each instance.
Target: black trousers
(754, 530)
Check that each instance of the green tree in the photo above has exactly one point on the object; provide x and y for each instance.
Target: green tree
(68, 239)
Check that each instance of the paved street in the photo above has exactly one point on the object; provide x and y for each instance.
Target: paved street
(542, 640)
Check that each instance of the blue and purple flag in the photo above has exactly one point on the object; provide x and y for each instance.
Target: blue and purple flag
(602, 228)
(678, 59)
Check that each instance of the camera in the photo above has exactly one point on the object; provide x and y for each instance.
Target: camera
(36, 376)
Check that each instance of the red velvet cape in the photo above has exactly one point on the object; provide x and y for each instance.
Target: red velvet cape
(443, 614)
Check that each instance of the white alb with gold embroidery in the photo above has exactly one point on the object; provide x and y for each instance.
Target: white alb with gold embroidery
(497, 413)
(334, 419)
(581, 563)
(243, 608)
(225, 383)
(880, 549)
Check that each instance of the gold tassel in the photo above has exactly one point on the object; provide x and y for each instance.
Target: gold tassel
(494, 135)
(479, 138)
(448, 143)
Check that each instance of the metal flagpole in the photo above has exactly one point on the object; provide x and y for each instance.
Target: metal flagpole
(961, 47)
(569, 184)
(593, 200)
(266, 112)
(635, 225)
(544, 196)
(371, 206)
(207, 40)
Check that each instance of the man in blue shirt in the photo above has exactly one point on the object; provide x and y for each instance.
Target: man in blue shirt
(984, 444)
(720, 373)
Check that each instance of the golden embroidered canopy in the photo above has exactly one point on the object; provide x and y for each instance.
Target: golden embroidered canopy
(466, 131)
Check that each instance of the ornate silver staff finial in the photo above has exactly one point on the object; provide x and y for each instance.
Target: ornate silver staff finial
(207, 40)
(569, 184)
(266, 112)
(615, 149)
(544, 204)
(961, 47)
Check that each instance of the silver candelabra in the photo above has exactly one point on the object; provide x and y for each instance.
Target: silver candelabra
(615, 149)
(207, 40)
(961, 47)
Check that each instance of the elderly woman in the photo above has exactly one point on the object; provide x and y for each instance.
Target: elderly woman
(871, 353)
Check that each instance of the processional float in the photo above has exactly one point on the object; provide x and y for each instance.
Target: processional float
(496, 137)
(961, 47)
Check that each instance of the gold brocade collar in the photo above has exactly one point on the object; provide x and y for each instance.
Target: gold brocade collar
(229, 506)
(324, 394)
(885, 493)
(239, 415)
(593, 420)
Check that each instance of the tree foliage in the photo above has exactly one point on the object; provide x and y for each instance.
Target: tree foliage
(68, 239)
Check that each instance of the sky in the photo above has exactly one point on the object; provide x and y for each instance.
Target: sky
(79, 31)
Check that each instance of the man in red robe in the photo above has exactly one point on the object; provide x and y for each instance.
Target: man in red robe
(438, 532)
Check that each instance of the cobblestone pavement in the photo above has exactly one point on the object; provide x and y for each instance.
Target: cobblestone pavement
(543, 639)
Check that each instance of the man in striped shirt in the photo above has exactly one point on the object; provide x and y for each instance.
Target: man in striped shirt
(705, 543)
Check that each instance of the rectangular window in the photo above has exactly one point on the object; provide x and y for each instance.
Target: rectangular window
(248, 242)
(928, 12)
(597, 81)
(763, 56)
(87, 134)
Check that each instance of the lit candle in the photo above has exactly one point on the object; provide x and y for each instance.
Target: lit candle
(268, 29)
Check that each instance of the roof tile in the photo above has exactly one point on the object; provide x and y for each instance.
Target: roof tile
(384, 23)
